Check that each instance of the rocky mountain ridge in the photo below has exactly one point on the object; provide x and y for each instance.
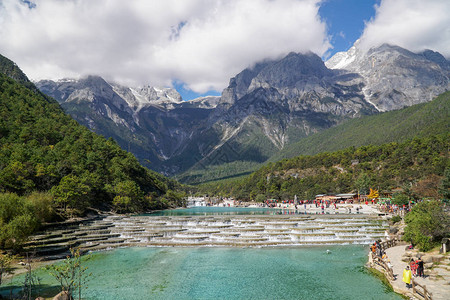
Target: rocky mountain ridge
(263, 109)
(394, 77)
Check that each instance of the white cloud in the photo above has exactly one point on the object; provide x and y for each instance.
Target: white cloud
(200, 42)
(413, 24)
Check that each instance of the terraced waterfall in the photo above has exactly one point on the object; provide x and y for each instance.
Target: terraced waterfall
(210, 230)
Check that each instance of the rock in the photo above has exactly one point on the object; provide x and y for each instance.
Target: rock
(405, 259)
(395, 77)
(428, 265)
(64, 295)
(393, 230)
(40, 298)
(427, 259)
(437, 258)
(411, 254)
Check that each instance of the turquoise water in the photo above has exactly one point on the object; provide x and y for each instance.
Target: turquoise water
(230, 273)
(213, 210)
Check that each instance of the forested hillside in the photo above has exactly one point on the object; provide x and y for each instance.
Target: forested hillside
(49, 163)
(420, 120)
(416, 165)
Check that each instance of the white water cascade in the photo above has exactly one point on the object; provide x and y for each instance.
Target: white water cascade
(211, 230)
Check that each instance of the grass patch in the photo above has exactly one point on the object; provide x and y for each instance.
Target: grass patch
(384, 280)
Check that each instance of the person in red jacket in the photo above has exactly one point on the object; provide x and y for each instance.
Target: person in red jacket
(413, 267)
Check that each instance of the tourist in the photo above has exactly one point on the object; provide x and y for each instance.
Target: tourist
(390, 266)
(407, 276)
(374, 247)
(380, 250)
(413, 267)
(419, 264)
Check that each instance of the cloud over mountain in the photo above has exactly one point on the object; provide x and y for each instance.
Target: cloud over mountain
(199, 42)
(412, 24)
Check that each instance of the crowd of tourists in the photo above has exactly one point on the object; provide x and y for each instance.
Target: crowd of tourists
(394, 208)
(377, 250)
(415, 267)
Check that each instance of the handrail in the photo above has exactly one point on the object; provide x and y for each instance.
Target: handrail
(389, 243)
(377, 260)
(424, 294)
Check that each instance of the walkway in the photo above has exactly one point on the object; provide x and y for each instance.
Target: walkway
(437, 279)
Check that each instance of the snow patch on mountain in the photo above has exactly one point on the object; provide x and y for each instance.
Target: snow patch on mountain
(343, 59)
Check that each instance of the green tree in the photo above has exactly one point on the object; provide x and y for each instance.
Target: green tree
(400, 199)
(41, 203)
(71, 192)
(129, 196)
(260, 198)
(362, 183)
(173, 198)
(444, 187)
(17, 220)
(427, 223)
(5, 265)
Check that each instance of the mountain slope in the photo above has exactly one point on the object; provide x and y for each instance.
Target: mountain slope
(264, 109)
(419, 164)
(297, 97)
(420, 120)
(151, 122)
(43, 149)
(395, 77)
(269, 106)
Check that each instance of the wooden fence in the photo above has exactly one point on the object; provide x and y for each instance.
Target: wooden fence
(387, 271)
(380, 262)
(420, 290)
(389, 243)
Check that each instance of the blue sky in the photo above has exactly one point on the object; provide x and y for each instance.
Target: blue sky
(196, 46)
(345, 20)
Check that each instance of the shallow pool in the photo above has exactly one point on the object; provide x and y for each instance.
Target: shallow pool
(229, 273)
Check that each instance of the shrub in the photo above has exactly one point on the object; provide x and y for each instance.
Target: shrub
(41, 203)
(427, 223)
(400, 199)
(260, 198)
(396, 219)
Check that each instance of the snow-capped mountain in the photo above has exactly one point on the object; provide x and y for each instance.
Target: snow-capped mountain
(341, 60)
(394, 77)
(137, 98)
(263, 109)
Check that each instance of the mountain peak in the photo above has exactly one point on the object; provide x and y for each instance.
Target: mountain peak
(10, 69)
(395, 77)
(291, 71)
(342, 59)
